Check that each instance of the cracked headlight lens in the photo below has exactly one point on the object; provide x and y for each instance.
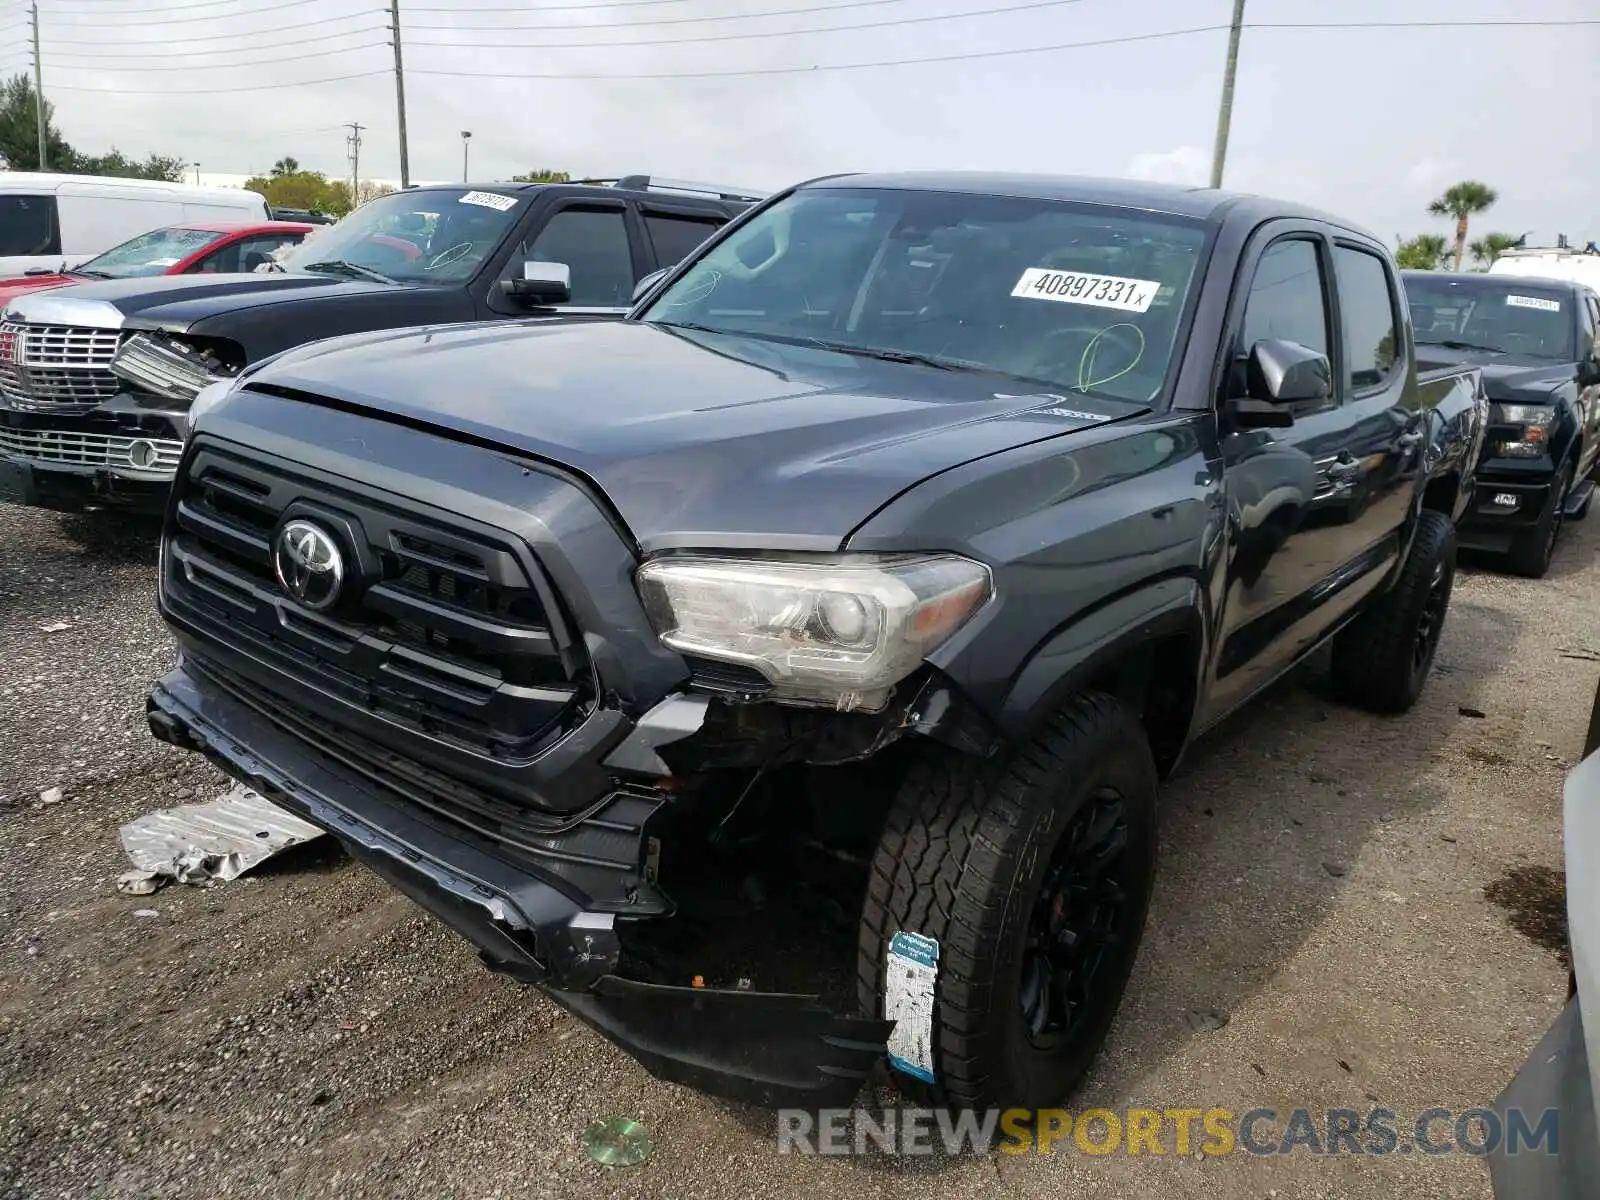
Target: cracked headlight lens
(839, 632)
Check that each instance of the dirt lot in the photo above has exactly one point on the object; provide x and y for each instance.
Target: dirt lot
(309, 1033)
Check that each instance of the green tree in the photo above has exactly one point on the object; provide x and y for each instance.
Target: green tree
(19, 129)
(1462, 201)
(1425, 252)
(285, 167)
(115, 163)
(302, 189)
(542, 175)
(1490, 247)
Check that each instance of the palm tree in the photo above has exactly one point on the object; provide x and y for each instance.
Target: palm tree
(285, 166)
(1463, 200)
(1490, 247)
(1425, 252)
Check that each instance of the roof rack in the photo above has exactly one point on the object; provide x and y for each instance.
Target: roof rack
(651, 183)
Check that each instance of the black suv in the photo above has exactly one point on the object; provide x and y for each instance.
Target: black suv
(95, 379)
(1535, 341)
(865, 581)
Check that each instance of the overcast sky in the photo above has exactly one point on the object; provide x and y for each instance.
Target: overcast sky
(1371, 123)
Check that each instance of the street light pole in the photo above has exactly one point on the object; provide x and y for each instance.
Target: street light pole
(466, 140)
(1219, 153)
(196, 167)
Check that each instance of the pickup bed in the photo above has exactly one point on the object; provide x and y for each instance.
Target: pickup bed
(880, 564)
(96, 379)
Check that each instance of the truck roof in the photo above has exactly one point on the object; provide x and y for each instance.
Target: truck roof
(1174, 199)
(1484, 280)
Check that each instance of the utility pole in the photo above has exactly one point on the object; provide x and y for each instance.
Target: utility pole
(196, 167)
(353, 143)
(466, 140)
(400, 93)
(38, 86)
(1225, 115)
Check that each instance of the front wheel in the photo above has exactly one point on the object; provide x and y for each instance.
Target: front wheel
(1530, 554)
(1032, 876)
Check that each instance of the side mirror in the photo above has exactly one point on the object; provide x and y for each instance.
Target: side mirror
(541, 283)
(648, 282)
(1278, 374)
(1589, 372)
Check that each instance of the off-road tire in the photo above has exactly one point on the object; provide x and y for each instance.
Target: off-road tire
(962, 859)
(1532, 550)
(1375, 661)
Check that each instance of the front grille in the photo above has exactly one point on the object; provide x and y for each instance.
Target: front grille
(451, 632)
(59, 368)
(139, 457)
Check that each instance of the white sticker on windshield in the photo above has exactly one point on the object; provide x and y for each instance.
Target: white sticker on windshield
(162, 262)
(1538, 302)
(492, 200)
(1081, 287)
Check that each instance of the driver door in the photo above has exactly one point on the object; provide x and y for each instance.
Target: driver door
(597, 241)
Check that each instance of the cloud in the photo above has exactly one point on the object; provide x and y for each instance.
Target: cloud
(1186, 164)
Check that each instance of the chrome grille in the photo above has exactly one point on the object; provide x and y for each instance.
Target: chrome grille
(56, 367)
(148, 458)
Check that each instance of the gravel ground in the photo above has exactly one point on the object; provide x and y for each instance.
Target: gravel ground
(309, 1033)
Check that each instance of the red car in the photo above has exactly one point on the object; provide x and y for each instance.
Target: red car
(225, 247)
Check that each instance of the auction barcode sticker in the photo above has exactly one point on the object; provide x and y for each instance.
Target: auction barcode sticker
(1534, 302)
(489, 200)
(1081, 287)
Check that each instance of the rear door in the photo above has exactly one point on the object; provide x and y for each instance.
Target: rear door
(1306, 502)
(1589, 397)
(675, 233)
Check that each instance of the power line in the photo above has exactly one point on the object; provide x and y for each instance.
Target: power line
(749, 16)
(218, 91)
(122, 21)
(1463, 23)
(143, 54)
(222, 66)
(101, 11)
(858, 66)
(214, 37)
(778, 33)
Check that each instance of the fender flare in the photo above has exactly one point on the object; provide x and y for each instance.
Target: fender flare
(1091, 641)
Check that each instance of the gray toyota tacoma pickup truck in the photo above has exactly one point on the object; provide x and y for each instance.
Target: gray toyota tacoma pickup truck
(878, 564)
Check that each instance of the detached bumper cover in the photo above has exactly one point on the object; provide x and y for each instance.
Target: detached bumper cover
(761, 1048)
(1555, 1076)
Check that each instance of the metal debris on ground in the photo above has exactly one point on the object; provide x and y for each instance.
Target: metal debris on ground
(56, 627)
(200, 844)
(617, 1142)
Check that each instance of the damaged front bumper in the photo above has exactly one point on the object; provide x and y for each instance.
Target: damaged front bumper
(534, 922)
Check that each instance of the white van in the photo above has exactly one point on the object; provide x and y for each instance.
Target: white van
(59, 221)
(1571, 266)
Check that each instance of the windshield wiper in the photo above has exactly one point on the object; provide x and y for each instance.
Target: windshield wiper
(91, 273)
(895, 356)
(337, 266)
(1453, 344)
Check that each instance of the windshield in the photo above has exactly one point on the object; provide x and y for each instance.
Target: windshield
(435, 236)
(148, 254)
(1078, 298)
(1504, 316)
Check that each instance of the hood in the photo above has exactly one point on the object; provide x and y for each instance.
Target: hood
(176, 302)
(695, 438)
(12, 288)
(1505, 376)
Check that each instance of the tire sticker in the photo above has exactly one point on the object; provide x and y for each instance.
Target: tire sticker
(492, 200)
(1082, 287)
(912, 971)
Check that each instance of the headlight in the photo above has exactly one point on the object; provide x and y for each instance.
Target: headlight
(207, 398)
(1523, 414)
(838, 632)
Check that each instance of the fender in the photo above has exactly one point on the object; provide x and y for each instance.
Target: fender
(1079, 651)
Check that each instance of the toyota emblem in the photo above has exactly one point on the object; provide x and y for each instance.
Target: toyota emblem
(308, 564)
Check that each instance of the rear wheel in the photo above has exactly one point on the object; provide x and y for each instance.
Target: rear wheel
(1530, 554)
(1033, 874)
(1381, 659)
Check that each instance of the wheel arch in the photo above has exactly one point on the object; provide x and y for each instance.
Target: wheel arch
(1146, 647)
